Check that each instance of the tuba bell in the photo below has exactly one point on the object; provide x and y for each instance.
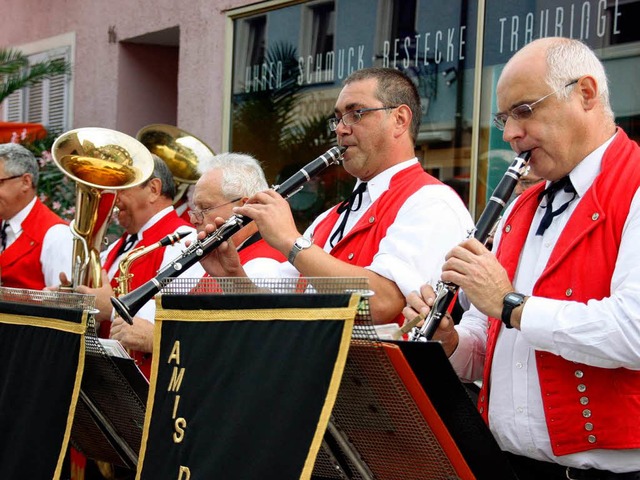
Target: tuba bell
(181, 151)
(101, 162)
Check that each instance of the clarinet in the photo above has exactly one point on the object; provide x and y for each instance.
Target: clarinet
(128, 305)
(445, 291)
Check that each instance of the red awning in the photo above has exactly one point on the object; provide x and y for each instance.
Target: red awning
(33, 130)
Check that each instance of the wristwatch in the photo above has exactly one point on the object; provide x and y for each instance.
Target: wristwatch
(301, 243)
(510, 301)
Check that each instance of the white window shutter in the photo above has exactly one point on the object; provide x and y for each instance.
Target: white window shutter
(13, 111)
(47, 102)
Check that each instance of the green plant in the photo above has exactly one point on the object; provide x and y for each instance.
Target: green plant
(55, 189)
(16, 73)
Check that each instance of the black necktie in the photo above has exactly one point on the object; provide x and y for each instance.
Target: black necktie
(550, 193)
(126, 246)
(351, 204)
(3, 235)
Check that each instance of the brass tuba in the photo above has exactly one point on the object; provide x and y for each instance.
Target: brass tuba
(101, 162)
(181, 151)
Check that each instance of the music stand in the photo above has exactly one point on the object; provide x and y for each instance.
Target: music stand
(42, 356)
(244, 380)
(110, 416)
(402, 413)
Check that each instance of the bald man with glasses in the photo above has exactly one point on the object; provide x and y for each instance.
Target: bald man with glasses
(36, 245)
(553, 328)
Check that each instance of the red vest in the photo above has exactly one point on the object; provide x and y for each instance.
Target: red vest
(143, 270)
(20, 262)
(585, 407)
(359, 246)
(259, 249)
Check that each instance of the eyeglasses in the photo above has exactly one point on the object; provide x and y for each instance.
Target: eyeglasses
(353, 117)
(524, 111)
(198, 215)
(2, 180)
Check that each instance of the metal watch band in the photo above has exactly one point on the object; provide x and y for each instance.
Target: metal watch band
(301, 243)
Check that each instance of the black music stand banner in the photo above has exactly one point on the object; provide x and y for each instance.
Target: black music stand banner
(42, 353)
(242, 385)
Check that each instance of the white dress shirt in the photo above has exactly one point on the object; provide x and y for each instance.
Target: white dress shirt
(57, 246)
(602, 333)
(172, 252)
(429, 224)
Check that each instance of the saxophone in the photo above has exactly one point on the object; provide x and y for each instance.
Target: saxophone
(124, 267)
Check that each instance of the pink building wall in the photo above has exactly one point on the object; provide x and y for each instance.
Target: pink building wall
(123, 86)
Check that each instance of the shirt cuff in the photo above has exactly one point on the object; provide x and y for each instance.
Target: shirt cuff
(538, 321)
(461, 356)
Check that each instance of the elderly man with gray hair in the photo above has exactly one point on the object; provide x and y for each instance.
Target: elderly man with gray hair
(228, 180)
(36, 244)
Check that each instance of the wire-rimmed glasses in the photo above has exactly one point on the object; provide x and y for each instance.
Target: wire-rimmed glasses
(524, 111)
(353, 117)
(198, 214)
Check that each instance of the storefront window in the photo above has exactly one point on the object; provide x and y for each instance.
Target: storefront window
(280, 104)
(608, 27)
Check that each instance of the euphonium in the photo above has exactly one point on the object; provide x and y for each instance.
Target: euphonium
(181, 151)
(101, 162)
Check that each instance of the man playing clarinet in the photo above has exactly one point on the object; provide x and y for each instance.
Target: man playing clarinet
(553, 331)
(399, 221)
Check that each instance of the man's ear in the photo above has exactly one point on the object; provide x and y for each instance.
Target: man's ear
(27, 181)
(588, 90)
(403, 117)
(155, 188)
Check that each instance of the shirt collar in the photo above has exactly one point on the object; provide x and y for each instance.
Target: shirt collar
(380, 183)
(16, 221)
(583, 174)
(153, 220)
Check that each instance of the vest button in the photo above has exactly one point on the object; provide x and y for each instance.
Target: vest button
(586, 413)
(595, 216)
(372, 219)
(588, 426)
(582, 388)
(584, 400)
(569, 292)
(507, 228)
(579, 373)
(481, 409)
(350, 256)
(591, 439)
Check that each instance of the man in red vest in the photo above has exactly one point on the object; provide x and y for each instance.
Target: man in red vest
(553, 330)
(228, 180)
(398, 223)
(147, 215)
(35, 244)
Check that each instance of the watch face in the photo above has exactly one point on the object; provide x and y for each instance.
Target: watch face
(513, 298)
(303, 242)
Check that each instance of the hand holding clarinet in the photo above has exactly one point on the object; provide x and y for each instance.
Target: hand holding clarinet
(471, 266)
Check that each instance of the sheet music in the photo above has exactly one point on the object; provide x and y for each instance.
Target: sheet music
(114, 348)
